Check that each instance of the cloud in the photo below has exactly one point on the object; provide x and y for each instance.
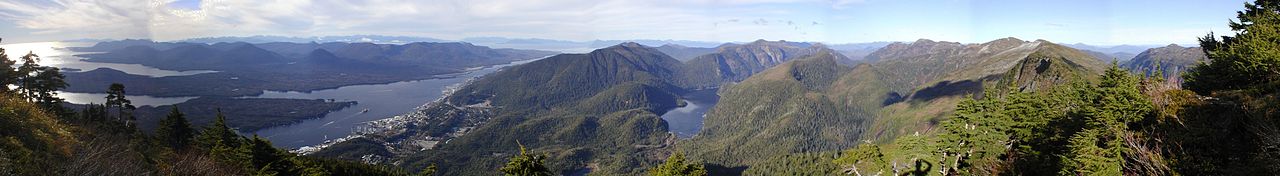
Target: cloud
(562, 19)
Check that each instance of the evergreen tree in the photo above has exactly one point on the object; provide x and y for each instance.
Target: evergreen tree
(265, 159)
(117, 100)
(8, 75)
(526, 164)
(677, 166)
(39, 84)
(1099, 148)
(1247, 61)
(865, 158)
(93, 112)
(26, 79)
(975, 137)
(429, 171)
(218, 133)
(174, 131)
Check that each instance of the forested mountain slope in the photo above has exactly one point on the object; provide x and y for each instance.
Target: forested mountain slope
(598, 109)
(960, 70)
(1172, 60)
(736, 62)
(804, 105)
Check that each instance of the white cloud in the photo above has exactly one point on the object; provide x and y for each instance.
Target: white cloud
(563, 19)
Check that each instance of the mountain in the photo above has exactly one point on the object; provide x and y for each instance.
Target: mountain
(1113, 49)
(931, 77)
(247, 69)
(858, 51)
(736, 62)
(192, 57)
(1108, 57)
(106, 46)
(807, 104)
(1171, 59)
(320, 39)
(593, 108)
(684, 53)
(812, 105)
(597, 110)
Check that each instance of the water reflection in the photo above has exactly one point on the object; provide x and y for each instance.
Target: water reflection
(686, 121)
(57, 54)
(374, 102)
(136, 100)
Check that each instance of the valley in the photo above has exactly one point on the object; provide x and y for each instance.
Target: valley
(635, 87)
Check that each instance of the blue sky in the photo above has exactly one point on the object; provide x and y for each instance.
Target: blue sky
(831, 21)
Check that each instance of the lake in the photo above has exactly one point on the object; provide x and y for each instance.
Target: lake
(135, 100)
(381, 101)
(686, 121)
(57, 54)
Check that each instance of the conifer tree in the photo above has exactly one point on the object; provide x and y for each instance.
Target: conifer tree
(218, 133)
(175, 131)
(116, 99)
(676, 165)
(526, 164)
(8, 75)
(1246, 61)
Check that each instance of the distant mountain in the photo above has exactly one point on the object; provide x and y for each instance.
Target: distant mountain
(575, 46)
(812, 105)
(808, 104)
(684, 53)
(191, 56)
(736, 62)
(599, 108)
(1112, 49)
(595, 107)
(931, 77)
(247, 69)
(1171, 59)
(106, 46)
(858, 51)
(322, 39)
(1108, 57)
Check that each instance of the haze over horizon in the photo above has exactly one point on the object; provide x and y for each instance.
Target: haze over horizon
(829, 21)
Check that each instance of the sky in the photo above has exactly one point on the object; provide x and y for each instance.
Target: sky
(1097, 22)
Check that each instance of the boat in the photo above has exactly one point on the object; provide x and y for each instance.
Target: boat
(365, 110)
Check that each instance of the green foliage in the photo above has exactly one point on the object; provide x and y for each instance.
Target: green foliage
(39, 84)
(1077, 128)
(799, 106)
(32, 142)
(1239, 118)
(1250, 60)
(816, 163)
(174, 131)
(116, 99)
(676, 165)
(8, 74)
(526, 164)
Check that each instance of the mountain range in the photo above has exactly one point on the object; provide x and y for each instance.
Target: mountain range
(1172, 60)
(247, 69)
(599, 110)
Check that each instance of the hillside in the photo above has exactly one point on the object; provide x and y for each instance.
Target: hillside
(803, 105)
(248, 69)
(684, 53)
(599, 107)
(814, 105)
(1171, 59)
(960, 70)
(585, 108)
(736, 62)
